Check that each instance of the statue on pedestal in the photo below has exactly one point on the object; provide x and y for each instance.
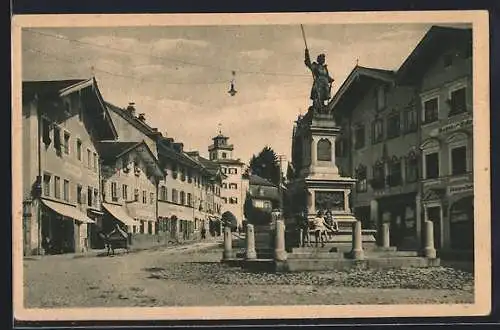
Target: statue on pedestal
(322, 85)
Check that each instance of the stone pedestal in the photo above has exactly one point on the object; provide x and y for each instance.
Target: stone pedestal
(279, 245)
(228, 243)
(357, 245)
(251, 253)
(429, 250)
(385, 239)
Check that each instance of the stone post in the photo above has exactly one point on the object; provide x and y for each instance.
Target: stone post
(250, 240)
(228, 243)
(357, 245)
(385, 235)
(279, 246)
(429, 250)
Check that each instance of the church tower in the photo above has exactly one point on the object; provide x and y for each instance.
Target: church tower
(234, 186)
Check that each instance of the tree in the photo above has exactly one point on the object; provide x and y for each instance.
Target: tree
(266, 165)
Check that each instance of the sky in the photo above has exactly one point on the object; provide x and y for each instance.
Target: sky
(179, 75)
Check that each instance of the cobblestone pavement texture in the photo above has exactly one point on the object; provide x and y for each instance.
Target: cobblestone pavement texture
(187, 276)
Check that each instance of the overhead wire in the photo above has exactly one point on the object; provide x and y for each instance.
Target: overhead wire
(33, 50)
(107, 47)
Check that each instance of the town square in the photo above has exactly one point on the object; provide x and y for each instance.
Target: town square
(248, 165)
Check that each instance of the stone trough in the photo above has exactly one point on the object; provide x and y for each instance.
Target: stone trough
(337, 254)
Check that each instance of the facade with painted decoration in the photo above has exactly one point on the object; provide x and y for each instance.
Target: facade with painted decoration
(441, 67)
(129, 182)
(406, 136)
(62, 120)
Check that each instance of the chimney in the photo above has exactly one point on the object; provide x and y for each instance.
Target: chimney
(178, 146)
(131, 108)
(142, 117)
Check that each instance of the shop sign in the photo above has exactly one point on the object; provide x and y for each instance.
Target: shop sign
(452, 127)
(460, 188)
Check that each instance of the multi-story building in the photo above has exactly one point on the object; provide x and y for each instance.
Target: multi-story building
(62, 122)
(406, 136)
(378, 146)
(233, 187)
(441, 69)
(129, 184)
(189, 195)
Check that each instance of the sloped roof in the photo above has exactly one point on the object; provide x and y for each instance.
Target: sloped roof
(58, 88)
(48, 87)
(430, 46)
(230, 161)
(111, 150)
(134, 121)
(256, 180)
(354, 77)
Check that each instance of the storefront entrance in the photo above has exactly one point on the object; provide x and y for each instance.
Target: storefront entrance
(58, 233)
(462, 224)
(399, 212)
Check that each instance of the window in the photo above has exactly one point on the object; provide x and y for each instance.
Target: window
(95, 161)
(96, 197)
(136, 195)
(141, 229)
(114, 192)
(378, 181)
(380, 97)
(183, 198)
(377, 131)
(163, 193)
(189, 199)
(79, 149)
(151, 198)
(431, 110)
(66, 143)
(57, 138)
(124, 192)
(89, 158)
(46, 131)
(324, 150)
(359, 136)
(394, 178)
(57, 187)
(79, 198)
(233, 200)
(459, 160)
(224, 185)
(457, 102)
(183, 174)
(89, 196)
(150, 227)
(361, 176)
(410, 120)
(233, 186)
(432, 165)
(66, 190)
(224, 155)
(175, 197)
(411, 168)
(393, 126)
(46, 185)
(224, 200)
(144, 197)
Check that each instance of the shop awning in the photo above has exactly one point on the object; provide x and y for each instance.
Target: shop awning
(119, 214)
(67, 211)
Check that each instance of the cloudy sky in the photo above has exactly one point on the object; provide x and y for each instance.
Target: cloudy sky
(179, 76)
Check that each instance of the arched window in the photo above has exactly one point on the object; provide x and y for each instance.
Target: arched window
(324, 150)
(361, 176)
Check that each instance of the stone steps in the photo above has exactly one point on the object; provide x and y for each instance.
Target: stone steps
(317, 264)
(341, 254)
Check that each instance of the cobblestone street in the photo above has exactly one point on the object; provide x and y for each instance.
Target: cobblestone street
(182, 276)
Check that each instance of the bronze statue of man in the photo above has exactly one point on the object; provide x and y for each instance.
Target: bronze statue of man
(320, 91)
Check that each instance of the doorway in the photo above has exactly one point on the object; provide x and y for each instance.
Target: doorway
(434, 215)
